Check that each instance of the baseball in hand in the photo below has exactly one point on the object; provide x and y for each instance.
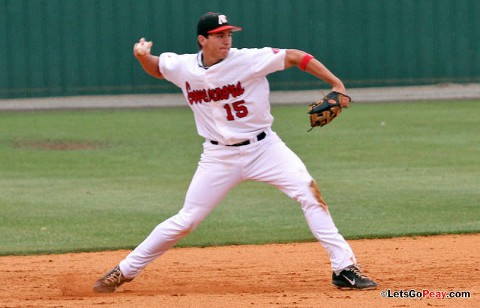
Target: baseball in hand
(141, 51)
(142, 47)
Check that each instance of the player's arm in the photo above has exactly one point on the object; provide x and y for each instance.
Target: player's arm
(149, 62)
(309, 64)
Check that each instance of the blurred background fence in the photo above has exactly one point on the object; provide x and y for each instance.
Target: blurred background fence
(84, 47)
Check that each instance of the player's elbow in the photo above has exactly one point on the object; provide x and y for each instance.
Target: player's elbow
(156, 74)
(293, 57)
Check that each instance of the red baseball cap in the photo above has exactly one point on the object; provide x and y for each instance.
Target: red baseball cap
(211, 23)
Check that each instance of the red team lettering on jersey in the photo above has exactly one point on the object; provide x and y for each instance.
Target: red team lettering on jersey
(216, 94)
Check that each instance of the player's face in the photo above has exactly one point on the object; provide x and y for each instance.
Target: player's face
(217, 45)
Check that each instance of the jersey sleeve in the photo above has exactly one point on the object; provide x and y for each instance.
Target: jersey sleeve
(267, 60)
(169, 64)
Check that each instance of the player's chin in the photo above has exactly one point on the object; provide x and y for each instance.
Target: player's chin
(223, 52)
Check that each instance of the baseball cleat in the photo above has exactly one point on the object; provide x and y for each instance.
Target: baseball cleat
(351, 277)
(111, 281)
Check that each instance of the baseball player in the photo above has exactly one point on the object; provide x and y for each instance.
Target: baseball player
(228, 92)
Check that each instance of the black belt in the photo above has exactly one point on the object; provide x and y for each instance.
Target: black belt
(260, 136)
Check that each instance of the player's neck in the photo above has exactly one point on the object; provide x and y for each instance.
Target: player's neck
(207, 61)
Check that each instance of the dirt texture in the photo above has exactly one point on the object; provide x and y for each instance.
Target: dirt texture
(281, 275)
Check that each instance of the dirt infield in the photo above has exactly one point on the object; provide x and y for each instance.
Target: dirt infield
(283, 275)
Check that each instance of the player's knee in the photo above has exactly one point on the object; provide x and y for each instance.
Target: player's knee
(188, 221)
(313, 197)
(186, 226)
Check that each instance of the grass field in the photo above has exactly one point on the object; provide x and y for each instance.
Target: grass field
(96, 180)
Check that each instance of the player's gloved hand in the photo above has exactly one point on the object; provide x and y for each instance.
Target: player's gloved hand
(328, 108)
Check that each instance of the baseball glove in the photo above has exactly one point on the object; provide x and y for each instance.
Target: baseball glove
(328, 108)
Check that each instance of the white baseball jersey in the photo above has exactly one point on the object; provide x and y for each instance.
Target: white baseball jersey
(225, 111)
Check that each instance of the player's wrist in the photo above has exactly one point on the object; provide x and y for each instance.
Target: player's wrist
(142, 57)
(338, 86)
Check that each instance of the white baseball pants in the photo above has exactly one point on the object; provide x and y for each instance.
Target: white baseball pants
(219, 170)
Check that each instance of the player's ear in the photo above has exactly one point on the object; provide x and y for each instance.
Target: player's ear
(201, 40)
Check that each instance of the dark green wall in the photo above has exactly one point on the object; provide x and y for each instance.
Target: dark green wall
(78, 47)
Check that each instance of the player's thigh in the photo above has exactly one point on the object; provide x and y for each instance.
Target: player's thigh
(278, 165)
(213, 179)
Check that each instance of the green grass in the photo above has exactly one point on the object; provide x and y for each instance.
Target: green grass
(415, 174)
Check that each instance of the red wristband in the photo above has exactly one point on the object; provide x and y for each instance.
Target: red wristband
(303, 64)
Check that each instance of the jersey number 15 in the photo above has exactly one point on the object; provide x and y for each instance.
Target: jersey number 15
(236, 109)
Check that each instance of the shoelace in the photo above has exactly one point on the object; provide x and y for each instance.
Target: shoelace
(114, 277)
(355, 269)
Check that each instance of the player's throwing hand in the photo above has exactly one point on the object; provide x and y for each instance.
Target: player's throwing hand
(142, 48)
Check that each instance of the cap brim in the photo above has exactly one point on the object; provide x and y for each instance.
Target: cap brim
(223, 28)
